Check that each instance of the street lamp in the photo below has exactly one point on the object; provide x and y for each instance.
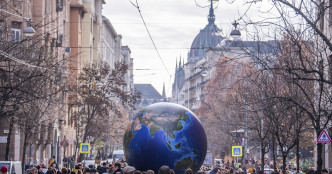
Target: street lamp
(29, 31)
(235, 33)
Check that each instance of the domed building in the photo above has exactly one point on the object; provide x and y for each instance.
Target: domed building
(207, 47)
(207, 38)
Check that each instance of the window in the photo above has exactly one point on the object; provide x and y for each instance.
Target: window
(15, 35)
(59, 5)
(59, 40)
(16, 31)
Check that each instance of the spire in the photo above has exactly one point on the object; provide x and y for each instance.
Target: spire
(180, 63)
(211, 16)
(164, 93)
(176, 65)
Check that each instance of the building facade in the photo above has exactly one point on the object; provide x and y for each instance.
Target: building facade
(51, 22)
(184, 85)
(207, 47)
(82, 37)
(108, 42)
(207, 50)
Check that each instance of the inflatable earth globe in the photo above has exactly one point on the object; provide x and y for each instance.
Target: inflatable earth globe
(165, 134)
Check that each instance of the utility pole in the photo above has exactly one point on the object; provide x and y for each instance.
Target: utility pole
(245, 142)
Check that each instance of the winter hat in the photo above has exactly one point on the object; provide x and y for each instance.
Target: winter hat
(4, 169)
(128, 169)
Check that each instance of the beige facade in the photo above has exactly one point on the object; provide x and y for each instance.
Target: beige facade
(92, 28)
(61, 21)
(82, 37)
(11, 29)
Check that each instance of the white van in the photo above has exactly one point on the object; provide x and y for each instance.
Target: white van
(118, 154)
(14, 167)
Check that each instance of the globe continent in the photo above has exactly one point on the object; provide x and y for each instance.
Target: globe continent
(165, 134)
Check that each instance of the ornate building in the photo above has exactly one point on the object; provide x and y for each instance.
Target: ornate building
(178, 83)
(207, 47)
(209, 37)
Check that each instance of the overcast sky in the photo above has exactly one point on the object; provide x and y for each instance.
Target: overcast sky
(173, 25)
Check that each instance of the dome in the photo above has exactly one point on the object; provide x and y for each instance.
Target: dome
(208, 37)
(235, 33)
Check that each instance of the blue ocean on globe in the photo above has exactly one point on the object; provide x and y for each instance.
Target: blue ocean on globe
(165, 134)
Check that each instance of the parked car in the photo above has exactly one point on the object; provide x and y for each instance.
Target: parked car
(88, 162)
(14, 167)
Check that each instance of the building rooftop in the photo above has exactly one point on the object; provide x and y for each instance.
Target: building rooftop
(206, 38)
(147, 91)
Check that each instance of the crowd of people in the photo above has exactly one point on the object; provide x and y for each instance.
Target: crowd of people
(117, 168)
(121, 168)
(220, 169)
(104, 168)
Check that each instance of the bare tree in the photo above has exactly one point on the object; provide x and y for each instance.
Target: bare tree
(308, 65)
(263, 94)
(102, 97)
(30, 74)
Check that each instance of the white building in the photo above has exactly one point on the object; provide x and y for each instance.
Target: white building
(113, 51)
(207, 47)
